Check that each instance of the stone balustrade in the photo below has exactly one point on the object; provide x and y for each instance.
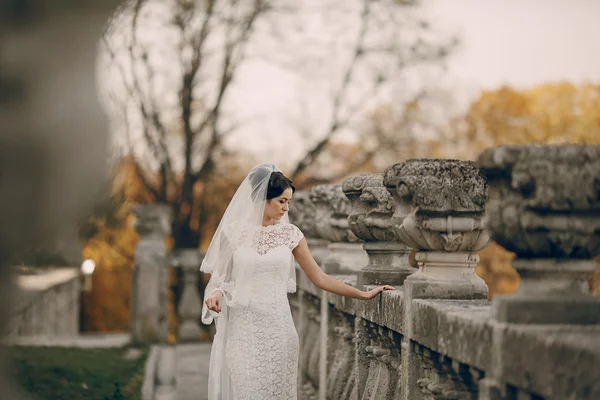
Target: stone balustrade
(46, 304)
(437, 336)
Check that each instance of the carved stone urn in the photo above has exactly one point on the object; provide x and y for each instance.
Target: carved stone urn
(545, 206)
(439, 212)
(371, 221)
(303, 214)
(332, 210)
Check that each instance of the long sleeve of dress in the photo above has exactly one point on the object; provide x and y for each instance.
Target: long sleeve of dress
(221, 279)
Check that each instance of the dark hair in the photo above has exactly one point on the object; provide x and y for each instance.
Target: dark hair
(278, 182)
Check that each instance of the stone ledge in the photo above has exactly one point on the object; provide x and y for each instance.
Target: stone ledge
(557, 362)
(84, 341)
(460, 329)
(46, 280)
(385, 310)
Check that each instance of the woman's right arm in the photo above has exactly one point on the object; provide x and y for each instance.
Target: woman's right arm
(325, 282)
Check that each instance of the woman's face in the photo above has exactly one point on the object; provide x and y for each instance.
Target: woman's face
(278, 206)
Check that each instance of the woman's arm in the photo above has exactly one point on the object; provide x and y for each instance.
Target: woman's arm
(326, 282)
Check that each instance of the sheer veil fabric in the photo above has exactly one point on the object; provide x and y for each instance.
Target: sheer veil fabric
(231, 275)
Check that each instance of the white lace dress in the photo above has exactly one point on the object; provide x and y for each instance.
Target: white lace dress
(262, 343)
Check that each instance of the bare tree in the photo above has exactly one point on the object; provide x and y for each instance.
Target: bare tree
(384, 39)
(175, 62)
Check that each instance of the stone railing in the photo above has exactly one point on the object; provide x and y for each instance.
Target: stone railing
(45, 304)
(437, 336)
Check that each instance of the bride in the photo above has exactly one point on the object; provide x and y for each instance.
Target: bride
(251, 261)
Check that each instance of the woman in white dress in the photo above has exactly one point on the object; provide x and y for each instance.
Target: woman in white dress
(251, 259)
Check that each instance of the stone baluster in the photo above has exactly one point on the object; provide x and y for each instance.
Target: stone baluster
(439, 212)
(190, 303)
(446, 379)
(342, 362)
(149, 292)
(384, 368)
(371, 221)
(309, 354)
(315, 351)
(545, 207)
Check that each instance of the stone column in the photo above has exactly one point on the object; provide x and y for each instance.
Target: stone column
(345, 253)
(190, 304)
(545, 206)
(149, 292)
(370, 220)
(439, 211)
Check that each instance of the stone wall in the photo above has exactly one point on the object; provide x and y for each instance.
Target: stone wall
(45, 304)
(437, 336)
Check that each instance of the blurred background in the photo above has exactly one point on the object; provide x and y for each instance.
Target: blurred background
(324, 90)
(194, 93)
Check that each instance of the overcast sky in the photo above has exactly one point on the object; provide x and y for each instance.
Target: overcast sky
(521, 43)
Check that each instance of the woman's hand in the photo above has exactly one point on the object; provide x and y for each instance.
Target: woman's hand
(214, 301)
(372, 293)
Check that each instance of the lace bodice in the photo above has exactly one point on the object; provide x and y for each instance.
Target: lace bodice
(267, 251)
(266, 238)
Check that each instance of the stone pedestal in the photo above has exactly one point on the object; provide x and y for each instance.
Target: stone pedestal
(388, 264)
(447, 276)
(550, 292)
(344, 258)
(149, 292)
(190, 304)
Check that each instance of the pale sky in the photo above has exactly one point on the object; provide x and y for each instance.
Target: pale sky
(521, 43)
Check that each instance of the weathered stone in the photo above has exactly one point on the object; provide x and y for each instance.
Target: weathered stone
(552, 361)
(460, 329)
(152, 219)
(303, 214)
(371, 221)
(439, 204)
(332, 210)
(544, 199)
(344, 258)
(545, 206)
(149, 296)
(190, 308)
(372, 208)
(439, 211)
(438, 186)
(318, 249)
